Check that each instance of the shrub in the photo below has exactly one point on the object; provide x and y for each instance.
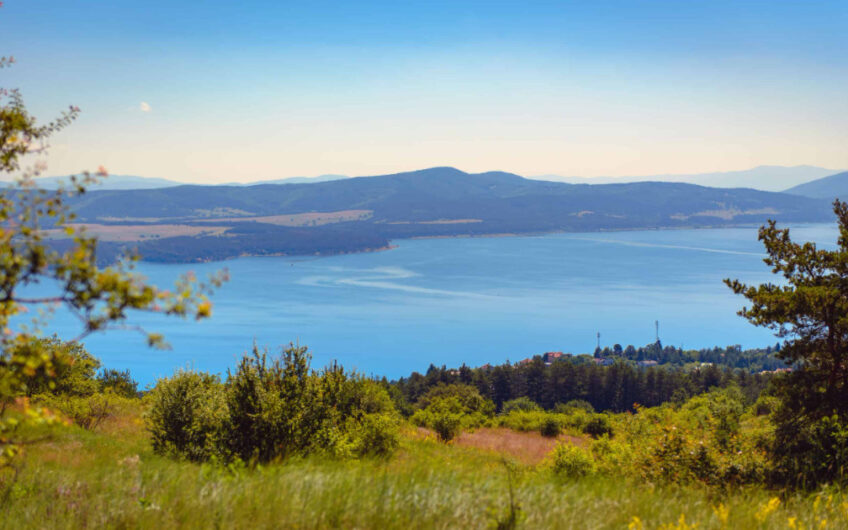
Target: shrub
(570, 461)
(679, 455)
(74, 368)
(118, 382)
(524, 421)
(574, 405)
(523, 404)
(468, 396)
(815, 453)
(272, 409)
(444, 415)
(613, 457)
(187, 414)
(720, 411)
(550, 427)
(765, 405)
(597, 426)
(447, 425)
(375, 435)
(448, 409)
(86, 411)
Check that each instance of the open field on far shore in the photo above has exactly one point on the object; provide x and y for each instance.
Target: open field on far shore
(130, 233)
(297, 219)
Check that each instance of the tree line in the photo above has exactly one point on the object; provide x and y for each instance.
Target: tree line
(617, 387)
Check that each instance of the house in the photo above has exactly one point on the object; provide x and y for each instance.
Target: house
(648, 362)
(777, 371)
(551, 356)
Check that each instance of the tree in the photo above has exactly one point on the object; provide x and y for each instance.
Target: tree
(809, 311)
(101, 297)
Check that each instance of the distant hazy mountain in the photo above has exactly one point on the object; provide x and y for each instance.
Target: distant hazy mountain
(128, 182)
(291, 180)
(112, 182)
(832, 187)
(766, 178)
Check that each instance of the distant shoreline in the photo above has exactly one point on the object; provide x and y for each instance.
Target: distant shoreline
(392, 245)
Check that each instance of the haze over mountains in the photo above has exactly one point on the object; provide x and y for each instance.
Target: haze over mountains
(190, 223)
(129, 182)
(766, 178)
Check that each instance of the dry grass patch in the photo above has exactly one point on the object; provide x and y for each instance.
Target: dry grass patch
(298, 219)
(526, 447)
(129, 233)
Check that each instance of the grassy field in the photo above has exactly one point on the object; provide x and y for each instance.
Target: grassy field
(111, 478)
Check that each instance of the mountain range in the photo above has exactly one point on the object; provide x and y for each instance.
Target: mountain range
(765, 178)
(129, 182)
(189, 223)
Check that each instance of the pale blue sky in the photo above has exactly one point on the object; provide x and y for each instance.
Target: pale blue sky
(255, 90)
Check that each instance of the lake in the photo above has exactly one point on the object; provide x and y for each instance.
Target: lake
(462, 300)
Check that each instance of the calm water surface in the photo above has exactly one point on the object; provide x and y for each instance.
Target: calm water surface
(464, 300)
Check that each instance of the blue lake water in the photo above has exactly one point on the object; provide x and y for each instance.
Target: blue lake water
(463, 300)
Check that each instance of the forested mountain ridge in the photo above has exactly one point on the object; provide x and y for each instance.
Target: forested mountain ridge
(367, 212)
(430, 193)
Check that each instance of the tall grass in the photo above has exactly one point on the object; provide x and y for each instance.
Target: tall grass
(111, 478)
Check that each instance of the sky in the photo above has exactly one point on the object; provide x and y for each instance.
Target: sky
(212, 91)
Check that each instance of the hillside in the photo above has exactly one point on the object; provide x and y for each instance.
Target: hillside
(824, 188)
(366, 212)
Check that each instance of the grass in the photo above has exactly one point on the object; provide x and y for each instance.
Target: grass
(111, 478)
(525, 447)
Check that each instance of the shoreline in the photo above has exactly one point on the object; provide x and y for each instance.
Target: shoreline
(392, 245)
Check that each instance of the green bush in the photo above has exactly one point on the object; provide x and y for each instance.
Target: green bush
(444, 415)
(74, 368)
(187, 414)
(675, 455)
(375, 435)
(598, 425)
(468, 396)
(573, 405)
(523, 404)
(282, 408)
(450, 409)
(766, 405)
(524, 421)
(88, 412)
(272, 409)
(447, 425)
(570, 461)
(720, 411)
(815, 453)
(550, 427)
(118, 382)
(613, 457)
